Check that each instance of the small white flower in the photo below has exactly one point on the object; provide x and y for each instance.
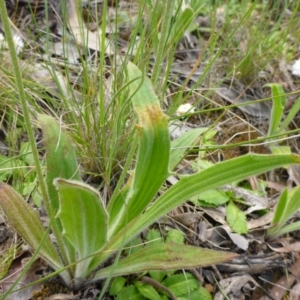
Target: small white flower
(185, 108)
(296, 68)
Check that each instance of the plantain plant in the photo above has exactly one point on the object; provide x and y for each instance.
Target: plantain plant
(88, 231)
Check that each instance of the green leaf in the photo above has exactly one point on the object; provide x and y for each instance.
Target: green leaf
(154, 236)
(181, 284)
(236, 218)
(280, 207)
(215, 197)
(9, 165)
(199, 293)
(117, 285)
(287, 205)
(180, 145)
(147, 291)
(175, 236)
(37, 198)
(215, 176)
(117, 204)
(27, 223)
(168, 256)
(60, 157)
(279, 100)
(26, 153)
(130, 292)
(134, 245)
(84, 220)
(293, 204)
(212, 177)
(61, 163)
(153, 154)
(182, 24)
(291, 115)
(154, 142)
(158, 275)
(6, 259)
(288, 228)
(275, 149)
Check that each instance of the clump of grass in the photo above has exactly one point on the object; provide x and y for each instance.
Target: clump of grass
(93, 105)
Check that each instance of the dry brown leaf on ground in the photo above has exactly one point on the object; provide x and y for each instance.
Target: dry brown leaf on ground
(187, 219)
(295, 292)
(287, 248)
(255, 108)
(236, 288)
(14, 272)
(294, 173)
(286, 282)
(222, 232)
(261, 223)
(62, 297)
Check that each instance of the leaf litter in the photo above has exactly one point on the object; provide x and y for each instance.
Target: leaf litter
(202, 225)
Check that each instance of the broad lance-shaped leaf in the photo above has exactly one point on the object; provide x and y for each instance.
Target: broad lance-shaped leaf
(215, 176)
(84, 219)
(60, 156)
(151, 168)
(167, 256)
(189, 186)
(26, 222)
(61, 162)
